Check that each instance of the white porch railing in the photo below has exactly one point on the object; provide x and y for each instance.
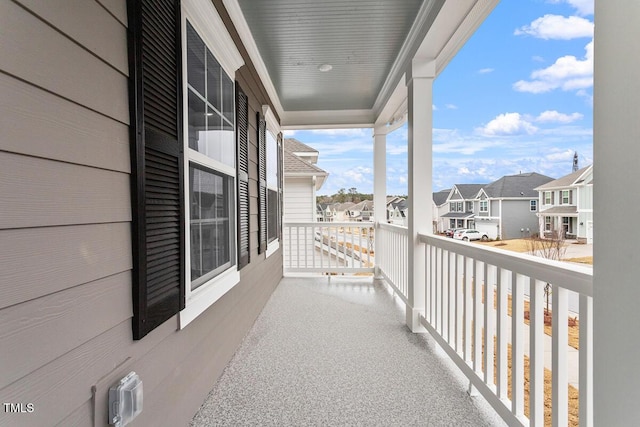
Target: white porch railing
(457, 316)
(328, 247)
(392, 260)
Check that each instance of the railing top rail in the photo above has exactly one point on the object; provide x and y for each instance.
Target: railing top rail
(573, 277)
(392, 227)
(354, 224)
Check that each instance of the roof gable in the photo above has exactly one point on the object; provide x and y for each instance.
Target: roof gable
(567, 180)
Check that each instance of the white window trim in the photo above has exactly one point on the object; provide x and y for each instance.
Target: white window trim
(210, 27)
(274, 128)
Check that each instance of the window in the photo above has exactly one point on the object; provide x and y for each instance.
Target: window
(184, 172)
(212, 161)
(468, 206)
(272, 188)
(210, 153)
(456, 207)
(270, 174)
(533, 205)
(566, 197)
(548, 224)
(548, 197)
(484, 206)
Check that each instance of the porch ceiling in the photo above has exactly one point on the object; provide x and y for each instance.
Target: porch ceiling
(369, 44)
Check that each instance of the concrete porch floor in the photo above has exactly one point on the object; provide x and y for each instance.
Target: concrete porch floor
(338, 353)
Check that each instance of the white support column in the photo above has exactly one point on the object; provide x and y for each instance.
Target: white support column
(379, 185)
(616, 269)
(420, 77)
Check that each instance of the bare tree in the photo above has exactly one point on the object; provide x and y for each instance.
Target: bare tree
(552, 247)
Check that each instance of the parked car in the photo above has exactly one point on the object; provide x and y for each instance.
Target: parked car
(470, 235)
(451, 231)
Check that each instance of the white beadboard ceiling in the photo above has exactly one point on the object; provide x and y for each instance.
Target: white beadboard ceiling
(369, 44)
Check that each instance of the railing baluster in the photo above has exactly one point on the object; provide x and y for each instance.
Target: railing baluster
(559, 335)
(586, 361)
(536, 353)
(504, 280)
(517, 344)
(306, 247)
(490, 273)
(452, 298)
(313, 246)
(468, 306)
(444, 321)
(478, 321)
(298, 247)
(459, 303)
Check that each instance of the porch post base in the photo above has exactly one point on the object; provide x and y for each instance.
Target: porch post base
(413, 319)
(377, 274)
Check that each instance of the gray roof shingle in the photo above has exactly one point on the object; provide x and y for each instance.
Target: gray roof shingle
(564, 181)
(469, 191)
(521, 185)
(440, 197)
(295, 165)
(292, 145)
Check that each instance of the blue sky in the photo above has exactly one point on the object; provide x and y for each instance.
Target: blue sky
(518, 97)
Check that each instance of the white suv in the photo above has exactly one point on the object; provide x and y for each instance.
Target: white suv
(469, 235)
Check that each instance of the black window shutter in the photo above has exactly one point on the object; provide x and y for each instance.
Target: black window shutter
(242, 146)
(262, 183)
(280, 187)
(156, 157)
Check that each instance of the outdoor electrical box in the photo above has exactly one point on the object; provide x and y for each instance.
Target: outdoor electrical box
(125, 400)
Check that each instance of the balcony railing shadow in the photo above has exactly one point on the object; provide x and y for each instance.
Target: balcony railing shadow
(337, 352)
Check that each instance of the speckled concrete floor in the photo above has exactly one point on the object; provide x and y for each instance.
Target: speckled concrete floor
(338, 353)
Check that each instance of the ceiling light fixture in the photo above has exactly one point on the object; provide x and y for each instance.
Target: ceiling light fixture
(325, 67)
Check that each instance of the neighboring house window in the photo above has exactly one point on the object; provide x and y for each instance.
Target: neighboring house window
(534, 205)
(272, 188)
(484, 206)
(548, 197)
(548, 224)
(566, 197)
(469, 207)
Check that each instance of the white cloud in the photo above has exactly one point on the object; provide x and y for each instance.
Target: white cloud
(583, 7)
(537, 58)
(433, 106)
(508, 124)
(556, 27)
(552, 116)
(560, 156)
(451, 107)
(289, 133)
(567, 73)
(485, 70)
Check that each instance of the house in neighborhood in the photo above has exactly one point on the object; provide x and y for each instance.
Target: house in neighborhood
(340, 211)
(323, 212)
(362, 211)
(302, 178)
(507, 208)
(566, 206)
(439, 209)
(460, 203)
(397, 210)
(142, 190)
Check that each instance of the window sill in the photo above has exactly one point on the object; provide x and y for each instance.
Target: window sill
(206, 295)
(272, 248)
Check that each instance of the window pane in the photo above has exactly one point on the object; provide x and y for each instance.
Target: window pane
(272, 161)
(197, 123)
(195, 60)
(272, 215)
(213, 82)
(210, 224)
(227, 97)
